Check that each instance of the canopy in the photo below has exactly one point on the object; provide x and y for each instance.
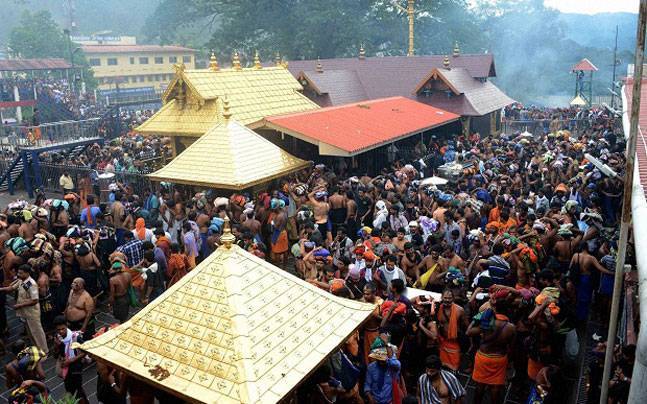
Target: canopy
(229, 156)
(578, 101)
(236, 329)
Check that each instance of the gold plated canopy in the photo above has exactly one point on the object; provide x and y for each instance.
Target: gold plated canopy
(236, 329)
(190, 101)
(229, 156)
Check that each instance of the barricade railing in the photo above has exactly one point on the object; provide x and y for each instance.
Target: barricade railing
(540, 126)
(16, 136)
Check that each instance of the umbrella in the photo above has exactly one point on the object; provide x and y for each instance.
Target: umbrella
(433, 181)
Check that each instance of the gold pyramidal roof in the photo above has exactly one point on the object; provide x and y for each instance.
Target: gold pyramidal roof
(236, 329)
(254, 93)
(229, 156)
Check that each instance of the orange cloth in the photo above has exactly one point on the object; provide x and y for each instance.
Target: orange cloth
(533, 368)
(136, 279)
(281, 244)
(140, 228)
(490, 368)
(369, 337)
(452, 322)
(495, 215)
(450, 353)
(178, 266)
(505, 226)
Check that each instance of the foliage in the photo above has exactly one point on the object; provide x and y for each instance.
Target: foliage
(38, 36)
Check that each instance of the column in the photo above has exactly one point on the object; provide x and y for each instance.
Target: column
(25, 174)
(16, 97)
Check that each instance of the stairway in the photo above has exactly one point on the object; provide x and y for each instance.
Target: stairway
(12, 172)
(49, 110)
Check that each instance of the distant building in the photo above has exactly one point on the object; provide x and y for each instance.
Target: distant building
(136, 66)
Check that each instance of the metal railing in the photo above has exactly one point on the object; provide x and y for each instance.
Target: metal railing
(46, 134)
(51, 174)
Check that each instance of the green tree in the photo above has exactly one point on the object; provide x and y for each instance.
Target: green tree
(38, 36)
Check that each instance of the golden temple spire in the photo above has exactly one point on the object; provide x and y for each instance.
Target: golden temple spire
(362, 52)
(257, 61)
(235, 62)
(319, 67)
(446, 62)
(457, 50)
(227, 238)
(284, 64)
(213, 62)
(277, 59)
(226, 112)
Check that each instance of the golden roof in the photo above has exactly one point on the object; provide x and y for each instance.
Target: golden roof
(229, 156)
(236, 329)
(254, 93)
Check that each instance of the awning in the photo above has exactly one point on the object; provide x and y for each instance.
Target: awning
(34, 64)
(352, 129)
(578, 101)
(236, 329)
(229, 156)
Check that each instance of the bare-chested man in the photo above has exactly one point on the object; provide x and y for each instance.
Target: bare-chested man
(279, 243)
(497, 335)
(118, 216)
(430, 269)
(119, 282)
(338, 208)
(89, 266)
(410, 262)
(320, 208)
(437, 385)
(80, 308)
(250, 223)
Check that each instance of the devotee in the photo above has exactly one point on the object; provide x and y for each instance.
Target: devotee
(437, 385)
(79, 313)
(119, 283)
(70, 360)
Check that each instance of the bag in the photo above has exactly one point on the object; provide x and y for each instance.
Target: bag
(132, 297)
(571, 346)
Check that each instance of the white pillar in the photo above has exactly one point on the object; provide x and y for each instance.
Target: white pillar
(16, 97)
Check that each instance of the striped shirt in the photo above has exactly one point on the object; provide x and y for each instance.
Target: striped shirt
(429, 395)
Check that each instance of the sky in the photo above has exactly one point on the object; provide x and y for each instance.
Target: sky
(593, 6)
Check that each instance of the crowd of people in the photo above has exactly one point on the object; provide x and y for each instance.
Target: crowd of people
(491, 277)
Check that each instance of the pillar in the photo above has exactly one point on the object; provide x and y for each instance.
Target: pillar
(466, 120)
(16, 97)
(493, 123)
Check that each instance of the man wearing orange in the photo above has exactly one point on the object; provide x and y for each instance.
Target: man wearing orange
(450, 317)
(497, 334)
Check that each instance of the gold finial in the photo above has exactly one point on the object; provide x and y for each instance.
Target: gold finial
(227, 238)
(213, 62)
(457, 50)
(446, 62)
(226, 113)
(235, 62)
(257, 61)
(284, 64)
(277, 59)
(179, 67)
(319, 67)
(362, 52)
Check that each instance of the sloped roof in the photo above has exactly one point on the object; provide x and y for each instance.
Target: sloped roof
(134, 48)
(584, 65)
(253, 94)
(33, 64)
(354, 79)
(172, 119)
(354, 128)
(229, 156)
(578, 101)
(475, 97)
(236, 329)
(346, 84)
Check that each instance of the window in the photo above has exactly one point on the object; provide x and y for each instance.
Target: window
(159, 60)
(172, 59)
(186, 59)
(95, 62)
(132, 61)
(142, 78)
(133, 79)
(143, 61)
(158, 77)
(151, 78)
(112, 61)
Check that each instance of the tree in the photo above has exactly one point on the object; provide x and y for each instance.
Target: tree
(39, 36)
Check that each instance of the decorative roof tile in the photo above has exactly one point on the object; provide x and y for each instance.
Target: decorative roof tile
(229, 156)
(236, 329)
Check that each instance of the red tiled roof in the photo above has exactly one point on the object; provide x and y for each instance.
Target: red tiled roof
(133, 48)
(355, 128)
(584, 65)
(33, 64)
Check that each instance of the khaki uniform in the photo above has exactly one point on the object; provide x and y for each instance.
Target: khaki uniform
(28, 290)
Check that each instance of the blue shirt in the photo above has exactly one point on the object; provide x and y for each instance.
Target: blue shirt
(94, 213)
(379, 380)
(134, 252)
